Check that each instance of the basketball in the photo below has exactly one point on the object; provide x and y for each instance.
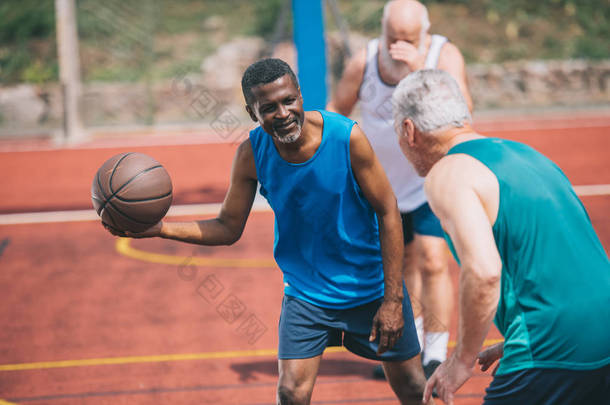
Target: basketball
(131, 192)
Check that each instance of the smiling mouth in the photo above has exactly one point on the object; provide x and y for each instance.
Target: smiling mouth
(285, 125)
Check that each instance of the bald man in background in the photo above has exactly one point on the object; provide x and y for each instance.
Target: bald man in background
(370, 78)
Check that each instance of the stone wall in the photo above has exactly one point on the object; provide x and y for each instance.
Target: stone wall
(199, 97)
(540, 84)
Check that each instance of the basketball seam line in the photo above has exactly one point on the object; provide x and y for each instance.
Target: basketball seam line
(97, 198)
(118, 162)
(144, 199)
(130, 218)
(126, 183)
(99, 186)
(111, 217)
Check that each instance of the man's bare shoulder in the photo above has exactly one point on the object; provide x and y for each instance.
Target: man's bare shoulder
(449, 56)
(244, 149)
(354, 69)
(360, 148)
(459, 172)
(314, 117)
(453, 171)
(444, 173)
(244, 163)
(358, 135)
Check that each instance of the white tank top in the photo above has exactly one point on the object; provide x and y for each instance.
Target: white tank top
(377, 123)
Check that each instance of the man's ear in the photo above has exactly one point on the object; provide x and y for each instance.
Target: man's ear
(251, 113)
(409, 132)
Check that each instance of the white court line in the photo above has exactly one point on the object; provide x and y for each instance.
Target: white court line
(176, 136)
(260, 205)
(494, 127)
(162, 140)
(91, 215)
(592, 190)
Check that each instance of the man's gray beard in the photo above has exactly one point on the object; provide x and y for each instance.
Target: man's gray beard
(397, 70)
(290, 138)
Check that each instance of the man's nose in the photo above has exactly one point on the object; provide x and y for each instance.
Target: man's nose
(282, 111)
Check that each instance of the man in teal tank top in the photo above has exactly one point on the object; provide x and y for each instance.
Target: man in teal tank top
(338, 236)
(527, 251)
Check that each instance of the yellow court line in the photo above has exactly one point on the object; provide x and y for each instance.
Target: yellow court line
(166, 358)
(123, 246)
(3, 402)
(136, 359)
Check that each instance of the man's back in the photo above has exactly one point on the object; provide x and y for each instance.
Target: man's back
(555, 270)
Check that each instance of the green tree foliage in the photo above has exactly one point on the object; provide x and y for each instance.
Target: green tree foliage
(267, 14)
(592, 17)
(495, 31)
(26, 19)
(27, 47)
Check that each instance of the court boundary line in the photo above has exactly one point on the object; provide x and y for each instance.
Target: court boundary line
(233, 354)
(46, 217)
(486, 127)
(164, 390)
(166, 135)
(260, 205)
(202, 388)
(124, 248)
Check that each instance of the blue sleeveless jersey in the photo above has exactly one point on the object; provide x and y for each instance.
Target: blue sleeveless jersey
(326, 233)
(554, 303)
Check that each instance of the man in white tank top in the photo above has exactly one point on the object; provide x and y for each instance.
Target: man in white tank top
(370, 78)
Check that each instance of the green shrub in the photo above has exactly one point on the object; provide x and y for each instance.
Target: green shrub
(123, 47)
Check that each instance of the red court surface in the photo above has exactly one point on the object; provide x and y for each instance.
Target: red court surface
(91, 319)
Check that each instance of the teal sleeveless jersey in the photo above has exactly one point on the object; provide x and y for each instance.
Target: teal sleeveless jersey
(554, 307)
(326, 233)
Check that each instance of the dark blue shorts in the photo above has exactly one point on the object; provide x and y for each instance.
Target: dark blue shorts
(305, 330)
(421, 221)
(540, 386)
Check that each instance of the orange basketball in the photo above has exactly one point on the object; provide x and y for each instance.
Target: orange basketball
(131, 192)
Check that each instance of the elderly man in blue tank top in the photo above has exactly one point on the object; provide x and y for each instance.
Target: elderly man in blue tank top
(338, 238)
(528, 254)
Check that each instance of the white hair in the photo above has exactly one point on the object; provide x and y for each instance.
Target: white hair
(432, 99)
(425, 26)
(425, 20)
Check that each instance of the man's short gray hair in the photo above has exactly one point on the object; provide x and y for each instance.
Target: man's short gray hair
(432, 99)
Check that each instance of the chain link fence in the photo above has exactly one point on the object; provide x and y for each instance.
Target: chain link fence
(178, 63)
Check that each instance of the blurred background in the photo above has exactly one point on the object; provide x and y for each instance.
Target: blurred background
(144, 63)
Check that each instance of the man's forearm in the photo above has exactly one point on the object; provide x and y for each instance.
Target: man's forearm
(392, 251)
(479, 294)
(340, 108)
(206, 232)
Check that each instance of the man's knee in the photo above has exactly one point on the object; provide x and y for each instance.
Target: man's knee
(407, 380)
(433, 260)
(412, 391)
(433, 266)
(289, 394)
(296, 380)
